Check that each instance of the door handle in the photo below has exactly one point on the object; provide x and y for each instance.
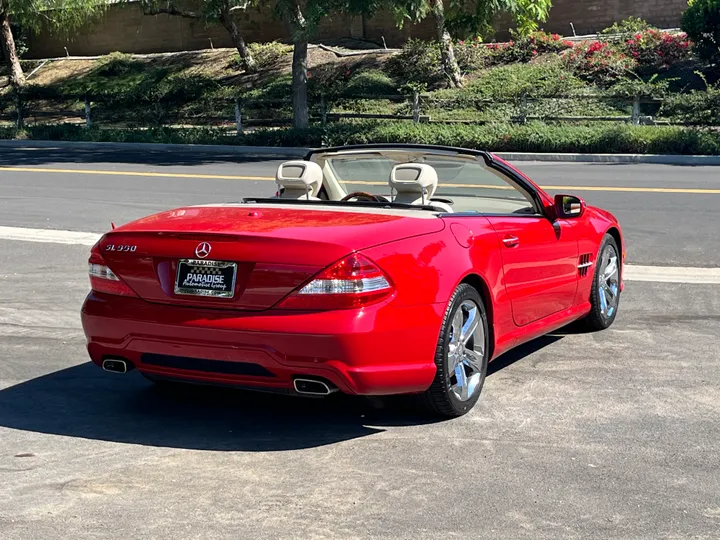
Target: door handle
(511, 241)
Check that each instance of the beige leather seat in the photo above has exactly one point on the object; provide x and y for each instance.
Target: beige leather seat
(300, 180)
(415, 183)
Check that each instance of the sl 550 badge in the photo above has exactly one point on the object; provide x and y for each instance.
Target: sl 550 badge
(117, 247)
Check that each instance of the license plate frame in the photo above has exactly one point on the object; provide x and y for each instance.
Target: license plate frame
(226, 269)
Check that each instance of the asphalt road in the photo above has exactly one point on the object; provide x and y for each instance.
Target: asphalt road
(671, 229)
(606, 435)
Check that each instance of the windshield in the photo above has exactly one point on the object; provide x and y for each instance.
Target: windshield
(465, 180)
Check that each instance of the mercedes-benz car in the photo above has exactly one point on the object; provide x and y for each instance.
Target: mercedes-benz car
(370, 270)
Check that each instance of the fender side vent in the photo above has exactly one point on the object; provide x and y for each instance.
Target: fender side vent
(585, 264)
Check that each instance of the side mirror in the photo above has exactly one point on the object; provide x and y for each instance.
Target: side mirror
(569, 206)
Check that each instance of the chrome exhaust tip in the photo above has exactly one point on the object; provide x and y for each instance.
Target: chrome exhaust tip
(312, 387)
(116, 365)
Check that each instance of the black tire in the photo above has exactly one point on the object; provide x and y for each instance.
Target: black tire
(598, 320)
(440, 397)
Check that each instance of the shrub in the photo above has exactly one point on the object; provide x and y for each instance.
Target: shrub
(419, 62)
(701, 21)
(117, 64)
(471, 55)
(370, 82)
(628, 27)
(653, 48)
(695, 107)
(532, 137)
(527, 48)
(266, 55)
(328, 80)
(631, 87)
(599, 62)
(510, 82)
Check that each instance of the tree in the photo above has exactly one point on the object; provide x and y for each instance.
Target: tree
(211, 12)
(54, 15)
(302, 19)
(467, 16)
(701, 22)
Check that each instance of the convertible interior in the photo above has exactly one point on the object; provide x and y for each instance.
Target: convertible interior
(444, 183)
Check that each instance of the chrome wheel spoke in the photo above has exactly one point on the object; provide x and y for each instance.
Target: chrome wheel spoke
(473, 360)
(607, 286)
(603, 300)
(611, 269)
(609, 291)
(462, 381)
(457, 325)
(470, 326)
(465, 352)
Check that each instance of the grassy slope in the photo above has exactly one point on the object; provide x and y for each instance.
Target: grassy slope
(200, 87)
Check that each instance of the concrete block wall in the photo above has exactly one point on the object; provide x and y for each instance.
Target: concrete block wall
(124, 28)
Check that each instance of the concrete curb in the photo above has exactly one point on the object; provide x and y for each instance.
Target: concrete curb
(274, 152)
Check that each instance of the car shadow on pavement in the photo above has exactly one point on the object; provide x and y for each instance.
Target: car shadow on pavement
(84, 401)
(518, 353)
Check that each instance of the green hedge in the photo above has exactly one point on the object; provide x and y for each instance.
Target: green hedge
(533, 137)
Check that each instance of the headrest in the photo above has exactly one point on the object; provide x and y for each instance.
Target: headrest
(305, 176)
(414, 178)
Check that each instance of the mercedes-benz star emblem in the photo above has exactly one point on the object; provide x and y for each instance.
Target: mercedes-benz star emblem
(203, 250)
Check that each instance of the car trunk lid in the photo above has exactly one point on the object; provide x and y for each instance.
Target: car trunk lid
(272, 250)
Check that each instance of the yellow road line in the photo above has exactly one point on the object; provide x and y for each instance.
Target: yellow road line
(133, 173)
(272, 179)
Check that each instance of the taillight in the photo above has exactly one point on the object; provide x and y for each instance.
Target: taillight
(104, 280)
(353, 282)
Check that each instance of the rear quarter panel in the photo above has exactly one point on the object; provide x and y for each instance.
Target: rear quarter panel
(427, 270)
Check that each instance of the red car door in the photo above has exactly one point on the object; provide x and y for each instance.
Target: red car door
(540, 262)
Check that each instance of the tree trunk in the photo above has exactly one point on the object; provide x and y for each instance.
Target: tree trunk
(450, 65)
(237, 39)
(301, 116)
(298, 29)
(15, 72)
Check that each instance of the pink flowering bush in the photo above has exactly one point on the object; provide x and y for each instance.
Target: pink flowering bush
(653, 48)
(598, 61)
(527, 48)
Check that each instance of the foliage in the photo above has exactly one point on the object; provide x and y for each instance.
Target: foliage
(701, 22)
(599, 62)
(653, 48)
(419, 62)
(118, 64)
(634, 85)
(328, 80)
(696, 107)
(532, 137)
(524, 49)
(60, 16)
(266, 55)
(370, 82)
(513, 81)
(627, 27)
(471, 54)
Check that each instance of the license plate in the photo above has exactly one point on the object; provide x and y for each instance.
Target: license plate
(206, 278)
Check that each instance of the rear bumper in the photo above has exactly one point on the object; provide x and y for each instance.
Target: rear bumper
(372, 351)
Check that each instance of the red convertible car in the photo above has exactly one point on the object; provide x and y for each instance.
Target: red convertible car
(375, 269)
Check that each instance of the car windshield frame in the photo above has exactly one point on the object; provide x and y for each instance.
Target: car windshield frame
(488, 160)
